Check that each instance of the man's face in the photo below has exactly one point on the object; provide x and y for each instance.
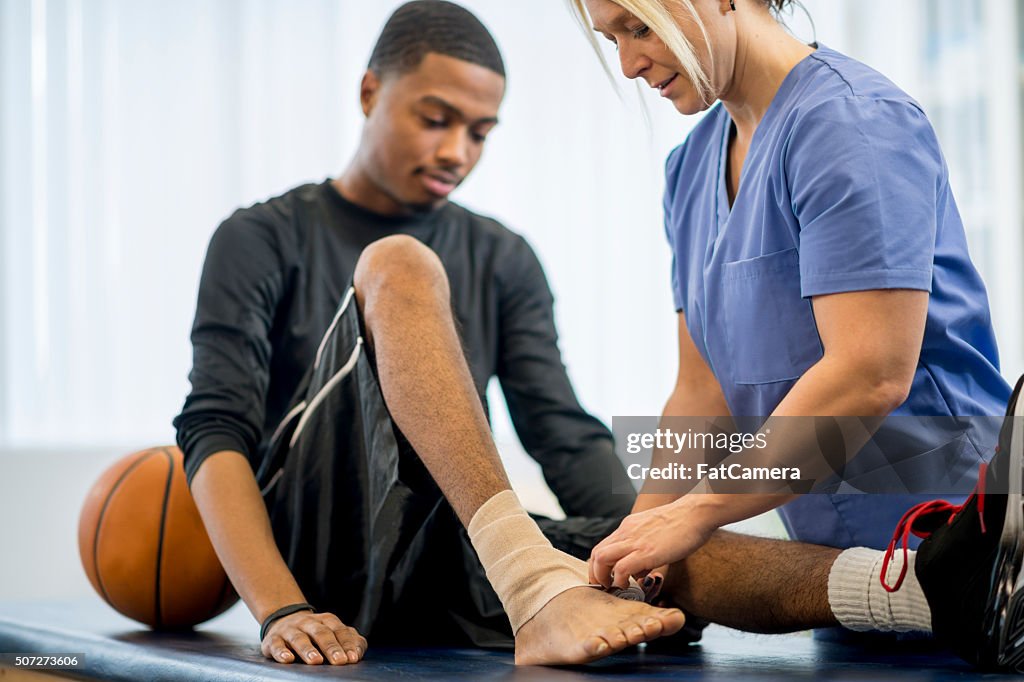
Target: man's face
(425, 129)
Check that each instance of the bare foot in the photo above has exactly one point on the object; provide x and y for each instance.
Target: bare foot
(584, 624)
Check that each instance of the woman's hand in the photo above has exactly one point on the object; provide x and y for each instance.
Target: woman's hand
(313, 638)
(649, 540)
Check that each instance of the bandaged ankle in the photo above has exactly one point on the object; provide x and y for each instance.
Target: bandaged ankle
(523, 568)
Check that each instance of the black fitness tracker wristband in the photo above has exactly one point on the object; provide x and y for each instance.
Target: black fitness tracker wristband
(281, 613)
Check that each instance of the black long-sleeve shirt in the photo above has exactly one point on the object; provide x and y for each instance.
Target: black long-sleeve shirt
(273, 278)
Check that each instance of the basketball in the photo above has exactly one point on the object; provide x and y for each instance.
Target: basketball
(144, 546)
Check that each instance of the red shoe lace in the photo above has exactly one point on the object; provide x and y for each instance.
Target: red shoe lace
(906, 526)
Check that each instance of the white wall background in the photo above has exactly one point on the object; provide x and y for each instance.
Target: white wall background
(129, 129)
(135, 127)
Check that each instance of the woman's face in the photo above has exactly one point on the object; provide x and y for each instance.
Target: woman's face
(643, 55)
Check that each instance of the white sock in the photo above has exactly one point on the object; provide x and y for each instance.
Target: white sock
(859, 602)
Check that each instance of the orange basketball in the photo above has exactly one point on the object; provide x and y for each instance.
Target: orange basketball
(144, 546)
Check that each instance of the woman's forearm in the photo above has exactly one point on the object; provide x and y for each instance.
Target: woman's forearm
(831, 388)
(686, 400)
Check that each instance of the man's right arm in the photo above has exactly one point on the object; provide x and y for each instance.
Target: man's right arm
(236, 520)
(219, 430)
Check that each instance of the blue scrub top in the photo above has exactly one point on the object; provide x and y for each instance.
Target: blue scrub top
(844, 188)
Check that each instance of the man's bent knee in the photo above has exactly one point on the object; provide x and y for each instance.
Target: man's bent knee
(399, 262)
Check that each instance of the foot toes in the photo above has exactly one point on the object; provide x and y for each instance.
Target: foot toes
(634, 632)
(596, 646)
(653, 627)
(615, 637)
(672, 620)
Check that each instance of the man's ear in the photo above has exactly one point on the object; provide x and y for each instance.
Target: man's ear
(369, 88)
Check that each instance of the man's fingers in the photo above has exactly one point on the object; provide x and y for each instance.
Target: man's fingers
(326, 641)
(341, 643)
(352, 642)
(314, 638)
(303, 647)
(276, 648)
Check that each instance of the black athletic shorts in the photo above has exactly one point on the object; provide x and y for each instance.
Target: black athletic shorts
(361, 523)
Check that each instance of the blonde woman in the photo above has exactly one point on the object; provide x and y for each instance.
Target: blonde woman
(820, 269)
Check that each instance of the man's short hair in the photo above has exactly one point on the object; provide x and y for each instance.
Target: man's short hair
(423, 26)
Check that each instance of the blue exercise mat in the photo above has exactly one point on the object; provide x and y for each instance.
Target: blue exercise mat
(226, 649)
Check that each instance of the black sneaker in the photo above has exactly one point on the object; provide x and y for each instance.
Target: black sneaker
(969, 565)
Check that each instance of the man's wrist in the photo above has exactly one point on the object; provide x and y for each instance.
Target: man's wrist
(280, 613)
(267, 606)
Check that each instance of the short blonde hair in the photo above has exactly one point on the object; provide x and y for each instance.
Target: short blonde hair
(662, 17)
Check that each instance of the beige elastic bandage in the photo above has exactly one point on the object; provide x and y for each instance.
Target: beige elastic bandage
(524, 569)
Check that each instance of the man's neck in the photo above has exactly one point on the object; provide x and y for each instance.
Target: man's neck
(357, 187)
